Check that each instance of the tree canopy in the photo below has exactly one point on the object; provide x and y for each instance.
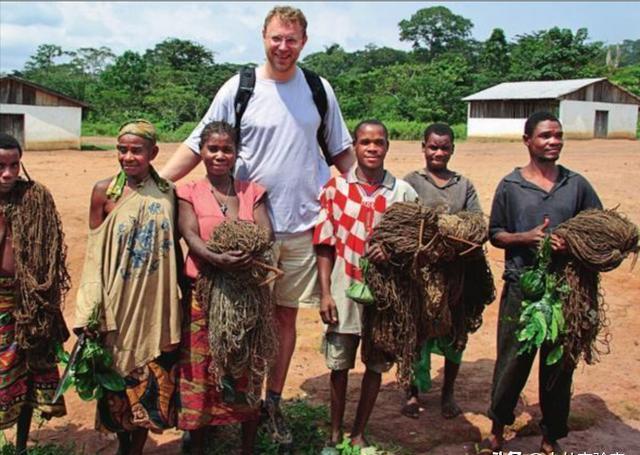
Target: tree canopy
(173, 83)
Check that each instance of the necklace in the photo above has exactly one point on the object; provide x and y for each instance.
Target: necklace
(224, 207)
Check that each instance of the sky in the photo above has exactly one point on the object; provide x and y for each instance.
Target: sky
(233, 30)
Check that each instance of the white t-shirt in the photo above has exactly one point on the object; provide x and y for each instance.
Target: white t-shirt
(279, 149)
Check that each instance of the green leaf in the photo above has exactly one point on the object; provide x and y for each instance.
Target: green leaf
(82, 367)
(542, 325)
(555, 355)
(61, 354)
(107, 358)
(111, 380)
(86, 395)
(553, 335)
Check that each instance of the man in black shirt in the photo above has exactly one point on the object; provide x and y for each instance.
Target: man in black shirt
(528, 204)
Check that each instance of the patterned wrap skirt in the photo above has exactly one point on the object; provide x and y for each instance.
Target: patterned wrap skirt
(148, 400)
(20, 386)
(200, 401)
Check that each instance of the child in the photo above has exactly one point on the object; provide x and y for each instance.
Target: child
(130, 275)
(351, 205)
(439, 186)
(33, 283)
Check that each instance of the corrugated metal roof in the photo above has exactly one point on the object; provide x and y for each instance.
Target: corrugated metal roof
(526, 90)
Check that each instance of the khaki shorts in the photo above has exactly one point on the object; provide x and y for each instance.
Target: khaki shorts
(296, 257)
(340, 353)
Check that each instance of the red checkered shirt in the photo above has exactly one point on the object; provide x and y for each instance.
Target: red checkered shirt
(347, 216)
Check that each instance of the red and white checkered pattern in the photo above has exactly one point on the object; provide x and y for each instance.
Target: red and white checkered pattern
(348, 215)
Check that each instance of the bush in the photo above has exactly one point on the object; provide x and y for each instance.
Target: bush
(177, 135)
(164, 132)
(99, 128)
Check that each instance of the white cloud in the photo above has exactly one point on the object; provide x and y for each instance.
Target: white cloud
(232, 30)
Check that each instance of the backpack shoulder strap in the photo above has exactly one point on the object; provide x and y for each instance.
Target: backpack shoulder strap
(320, 99)
(245, 90)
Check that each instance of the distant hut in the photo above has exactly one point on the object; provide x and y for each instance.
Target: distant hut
(587, 108)
(40, 118)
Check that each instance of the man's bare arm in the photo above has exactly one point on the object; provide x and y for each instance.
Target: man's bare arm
(344, 160)
(180, 164)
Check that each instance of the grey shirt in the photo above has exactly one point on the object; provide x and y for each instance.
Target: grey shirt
(519, 206)
(457, 194)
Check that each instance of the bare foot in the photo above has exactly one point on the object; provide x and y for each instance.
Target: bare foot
(359, 440)
(449, 408)
(489, 445)
(411, 408)
(551, 447)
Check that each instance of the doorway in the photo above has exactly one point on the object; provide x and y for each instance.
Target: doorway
(13, 124)
(601, 124)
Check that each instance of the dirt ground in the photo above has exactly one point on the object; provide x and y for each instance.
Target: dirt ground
(605, 414)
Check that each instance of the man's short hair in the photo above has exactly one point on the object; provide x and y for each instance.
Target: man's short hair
(441, 129)
(371, 121)
(8, 142)
(535, 118)
(286, 14)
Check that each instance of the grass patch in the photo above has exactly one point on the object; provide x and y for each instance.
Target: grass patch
(582, 420)
(632, 412)
(95, 148)
(310, 427)
(7, 448)
(308, 424)
(402, 130)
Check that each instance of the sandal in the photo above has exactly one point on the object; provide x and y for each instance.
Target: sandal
(411, 410)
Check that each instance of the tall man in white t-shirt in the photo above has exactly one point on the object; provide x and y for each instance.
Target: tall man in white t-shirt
(279, 150)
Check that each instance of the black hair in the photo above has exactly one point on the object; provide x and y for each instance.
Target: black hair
(8, 142)
(535, 118)
(441, 129)
(371, 121)
(218, 127)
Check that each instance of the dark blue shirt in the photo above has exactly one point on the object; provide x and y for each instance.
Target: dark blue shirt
(519, 206)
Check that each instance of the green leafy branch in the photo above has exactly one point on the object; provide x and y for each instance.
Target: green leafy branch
(91, 371)
(542, 320)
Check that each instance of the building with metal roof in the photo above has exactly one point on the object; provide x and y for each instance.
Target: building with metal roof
(587, 108)
(39, 117)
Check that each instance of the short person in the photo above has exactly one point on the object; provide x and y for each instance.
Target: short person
(439, 186)
(528, 203)
(351, 205)
(204, 204)
(33, 282)
(130, 279)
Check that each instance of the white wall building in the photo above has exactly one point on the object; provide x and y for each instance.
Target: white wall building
(587, 108)
(40, 118)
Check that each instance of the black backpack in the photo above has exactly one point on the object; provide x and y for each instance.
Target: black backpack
(245, 90)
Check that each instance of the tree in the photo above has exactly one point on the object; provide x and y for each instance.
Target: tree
(180, 55)
(555, 54)
(330, 63)
(435, 31)
(43, 58)
(92, 61)
(630, 52)
(494, 61)
(628, 77)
